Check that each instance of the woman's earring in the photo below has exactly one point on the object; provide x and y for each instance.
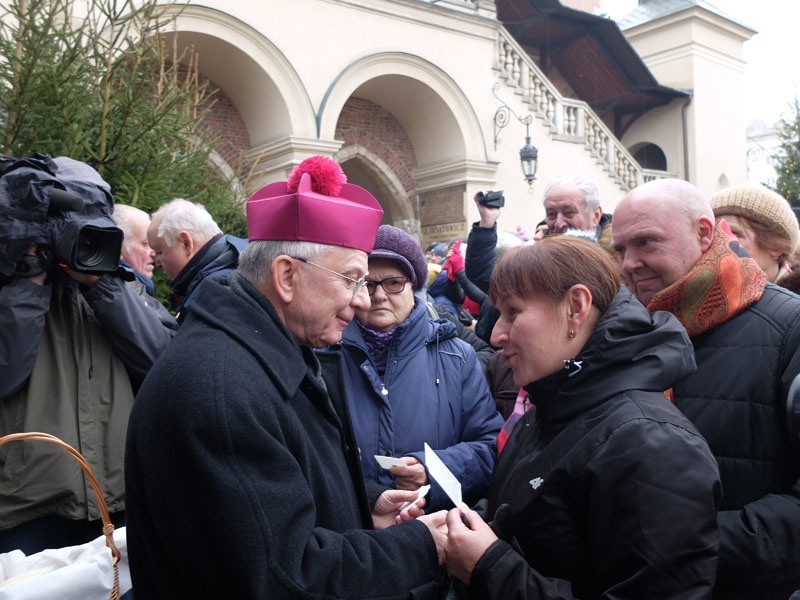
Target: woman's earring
(571, 333)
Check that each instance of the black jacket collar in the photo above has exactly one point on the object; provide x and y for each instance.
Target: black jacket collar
(628, 350)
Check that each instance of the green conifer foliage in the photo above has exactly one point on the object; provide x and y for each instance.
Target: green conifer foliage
(101, 81)
(787, 160)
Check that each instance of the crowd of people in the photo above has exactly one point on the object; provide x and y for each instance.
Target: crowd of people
(598, 410)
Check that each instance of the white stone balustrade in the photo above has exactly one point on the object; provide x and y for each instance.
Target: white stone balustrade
(567, 119)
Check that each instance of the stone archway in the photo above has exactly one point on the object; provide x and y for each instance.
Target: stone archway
(440, 124)
(265, 89)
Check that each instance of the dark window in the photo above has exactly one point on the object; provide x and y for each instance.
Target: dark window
(651, 156)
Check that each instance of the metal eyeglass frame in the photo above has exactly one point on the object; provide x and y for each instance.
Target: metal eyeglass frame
(357, 284)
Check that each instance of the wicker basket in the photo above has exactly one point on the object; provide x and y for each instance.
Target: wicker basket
(108, 527)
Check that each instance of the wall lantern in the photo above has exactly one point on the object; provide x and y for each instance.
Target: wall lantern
(528, 154)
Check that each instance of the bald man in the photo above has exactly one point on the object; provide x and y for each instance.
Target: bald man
(746, 336)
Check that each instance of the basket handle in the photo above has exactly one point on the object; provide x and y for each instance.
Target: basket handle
(108, 526)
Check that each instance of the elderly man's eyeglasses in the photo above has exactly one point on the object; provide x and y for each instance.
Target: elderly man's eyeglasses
(390, 285)
(355, 284)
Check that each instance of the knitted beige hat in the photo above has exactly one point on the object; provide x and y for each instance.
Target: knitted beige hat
(760, 205)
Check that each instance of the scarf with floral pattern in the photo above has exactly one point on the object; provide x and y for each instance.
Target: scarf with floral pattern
(377, 346)
(719, 286)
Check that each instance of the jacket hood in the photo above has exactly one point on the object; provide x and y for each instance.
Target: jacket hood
(629, 349)
(220, 252)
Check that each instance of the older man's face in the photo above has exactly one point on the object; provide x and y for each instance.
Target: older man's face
(565, 208)
(170, 258)
(136, 249)
(323, 302)
(656, 243)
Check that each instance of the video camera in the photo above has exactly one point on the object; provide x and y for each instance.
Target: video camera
(85, 246)
(61, 206)
(491, 199)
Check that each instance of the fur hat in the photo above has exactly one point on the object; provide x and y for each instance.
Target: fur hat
(760, 205)
(395, 244)
(315, 205)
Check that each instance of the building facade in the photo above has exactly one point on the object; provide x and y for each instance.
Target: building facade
(425, 102)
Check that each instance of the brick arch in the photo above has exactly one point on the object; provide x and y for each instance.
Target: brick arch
(429, 112)
(433, 110)
(377, 135)
(226, 126)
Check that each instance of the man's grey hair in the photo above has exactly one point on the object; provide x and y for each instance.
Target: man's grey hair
(181, 215)
(591, 194)
(590, 235)
(124, 216)
(256, 258)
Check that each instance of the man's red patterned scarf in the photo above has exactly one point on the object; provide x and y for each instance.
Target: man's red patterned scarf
(719, 286)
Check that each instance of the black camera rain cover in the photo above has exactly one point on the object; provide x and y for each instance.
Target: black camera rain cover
(26, 215)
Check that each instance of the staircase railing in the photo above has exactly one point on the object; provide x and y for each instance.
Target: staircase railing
(568, 119)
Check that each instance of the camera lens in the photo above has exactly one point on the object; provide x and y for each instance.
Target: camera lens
(89, 253)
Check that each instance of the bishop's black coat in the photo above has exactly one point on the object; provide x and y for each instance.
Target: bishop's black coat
(243, 475)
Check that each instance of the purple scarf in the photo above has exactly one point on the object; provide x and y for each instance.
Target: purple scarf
(377, 345)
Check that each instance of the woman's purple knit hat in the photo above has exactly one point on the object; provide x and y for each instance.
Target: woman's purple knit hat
(395, 244)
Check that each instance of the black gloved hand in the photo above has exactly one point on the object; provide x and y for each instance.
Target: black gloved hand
(501, 525)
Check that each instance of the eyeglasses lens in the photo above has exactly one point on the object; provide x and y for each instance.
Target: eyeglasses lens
(391, 285)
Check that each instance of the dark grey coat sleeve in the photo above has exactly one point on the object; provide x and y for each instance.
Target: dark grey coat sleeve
(478, 267)
(138, 334)
(479, 261)
(23, 307)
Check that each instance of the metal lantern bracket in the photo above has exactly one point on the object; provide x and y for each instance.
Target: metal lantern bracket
(503, 115)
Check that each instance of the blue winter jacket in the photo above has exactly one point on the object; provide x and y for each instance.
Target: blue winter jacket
(433, 391)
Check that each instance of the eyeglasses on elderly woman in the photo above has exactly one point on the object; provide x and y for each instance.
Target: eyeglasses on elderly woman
(390, 285)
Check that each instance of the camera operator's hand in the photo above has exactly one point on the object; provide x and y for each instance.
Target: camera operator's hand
(83, 278)
(41, 277)
(489, 214)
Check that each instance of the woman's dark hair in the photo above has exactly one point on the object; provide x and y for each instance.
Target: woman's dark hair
(550, 267)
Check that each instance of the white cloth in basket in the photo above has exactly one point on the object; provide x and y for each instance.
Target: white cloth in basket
(81, 572)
